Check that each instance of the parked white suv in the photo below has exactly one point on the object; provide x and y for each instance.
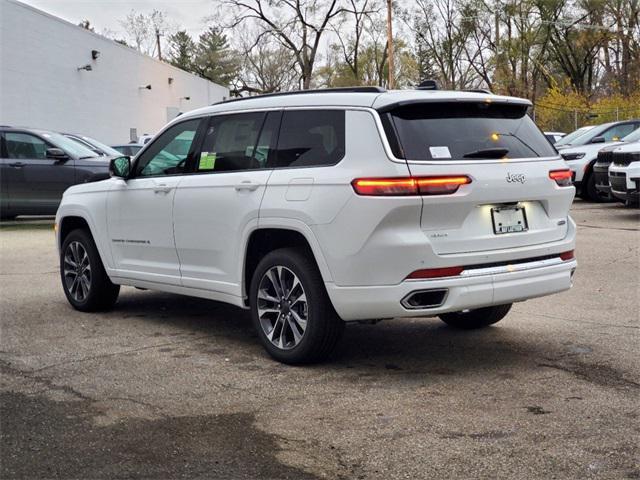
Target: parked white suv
(581, 160)
(624, 174)
(319, 208)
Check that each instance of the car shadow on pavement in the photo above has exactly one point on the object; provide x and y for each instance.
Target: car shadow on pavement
(409, 346)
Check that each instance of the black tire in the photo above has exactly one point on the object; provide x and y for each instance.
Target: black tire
(477, 318)
(589, 190)
(323, 327)
(102, 294)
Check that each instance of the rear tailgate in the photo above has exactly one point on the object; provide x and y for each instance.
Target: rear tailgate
(511, 200)
(473, 218)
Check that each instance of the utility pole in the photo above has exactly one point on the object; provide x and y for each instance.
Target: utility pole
(158, 44)
(390, 43)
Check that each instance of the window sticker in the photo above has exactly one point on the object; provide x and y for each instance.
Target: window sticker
(207, 161)
(440, 152)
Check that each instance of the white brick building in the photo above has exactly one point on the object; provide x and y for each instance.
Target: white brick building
(43, 84)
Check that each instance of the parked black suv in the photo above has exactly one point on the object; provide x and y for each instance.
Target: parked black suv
(37, 166)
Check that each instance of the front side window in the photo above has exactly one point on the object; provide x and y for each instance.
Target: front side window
(24, 145)
(311, 138)
(168, 154)
(230, 144)
(619, 131)
(465, 131)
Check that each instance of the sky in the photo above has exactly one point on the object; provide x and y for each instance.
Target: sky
(105, 15)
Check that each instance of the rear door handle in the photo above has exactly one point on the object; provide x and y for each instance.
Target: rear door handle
(161, 188)
(17, 164)
(247, 185)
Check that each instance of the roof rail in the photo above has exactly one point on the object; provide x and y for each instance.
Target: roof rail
(363, 89)
(479, 90)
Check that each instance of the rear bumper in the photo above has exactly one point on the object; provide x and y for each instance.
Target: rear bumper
(478, 288)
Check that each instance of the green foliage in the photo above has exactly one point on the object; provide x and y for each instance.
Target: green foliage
(214, 59)
(566, 109)
(182, 50)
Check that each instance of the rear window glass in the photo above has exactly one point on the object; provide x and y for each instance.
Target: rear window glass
(465, 131)
(311, 138)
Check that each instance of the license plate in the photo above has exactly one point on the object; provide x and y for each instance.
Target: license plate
(508, 220)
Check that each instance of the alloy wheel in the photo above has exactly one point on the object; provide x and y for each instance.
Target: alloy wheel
(77, 271)
(282, 307)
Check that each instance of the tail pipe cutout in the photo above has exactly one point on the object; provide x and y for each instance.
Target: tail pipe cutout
(421, 299)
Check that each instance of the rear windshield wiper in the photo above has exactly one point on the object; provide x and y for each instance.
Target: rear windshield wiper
(487, 153)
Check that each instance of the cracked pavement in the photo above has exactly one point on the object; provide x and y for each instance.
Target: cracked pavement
(166, 386)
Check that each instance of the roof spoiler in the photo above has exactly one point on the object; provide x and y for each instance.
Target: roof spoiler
(521, 102)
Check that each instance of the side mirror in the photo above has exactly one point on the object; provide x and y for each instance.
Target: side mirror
(120, 167)
(57, 154)
(598, 140)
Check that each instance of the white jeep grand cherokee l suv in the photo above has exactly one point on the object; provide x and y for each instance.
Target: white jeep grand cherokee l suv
(323, 207)
(624, 174)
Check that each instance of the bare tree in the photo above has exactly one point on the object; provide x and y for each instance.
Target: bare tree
(297, 24)
(268, 66)
(439, 34)
(351, 30)
(143, 30)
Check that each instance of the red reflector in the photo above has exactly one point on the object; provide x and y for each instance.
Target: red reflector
(436, 272)
(567, 255)
(409, 185)
(562, 177)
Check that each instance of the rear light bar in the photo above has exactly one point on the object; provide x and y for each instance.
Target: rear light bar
(455, 271)
(403, 186)
(562, 177)
(570, 255)
(436, 272)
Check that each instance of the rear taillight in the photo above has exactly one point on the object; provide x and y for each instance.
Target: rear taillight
(436, 272)
(570, 255)
(409, 185)
(562, 177)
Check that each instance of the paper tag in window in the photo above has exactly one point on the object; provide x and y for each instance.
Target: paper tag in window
(207, 161)
(439, 152)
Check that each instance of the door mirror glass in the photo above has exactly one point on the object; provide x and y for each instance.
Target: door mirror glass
(598, 140)
(57, 154)
(120, 167)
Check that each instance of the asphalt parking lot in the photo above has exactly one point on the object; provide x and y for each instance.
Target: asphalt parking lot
(172, 387)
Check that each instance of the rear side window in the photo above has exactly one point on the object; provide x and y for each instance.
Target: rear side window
(311, 138)
(464, 131)
(230, 143)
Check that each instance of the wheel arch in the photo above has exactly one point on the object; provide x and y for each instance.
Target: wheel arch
(73, 219)
(69, 223)
(267, 238)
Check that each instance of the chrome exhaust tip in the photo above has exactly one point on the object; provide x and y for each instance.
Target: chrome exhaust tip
(423, 299)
